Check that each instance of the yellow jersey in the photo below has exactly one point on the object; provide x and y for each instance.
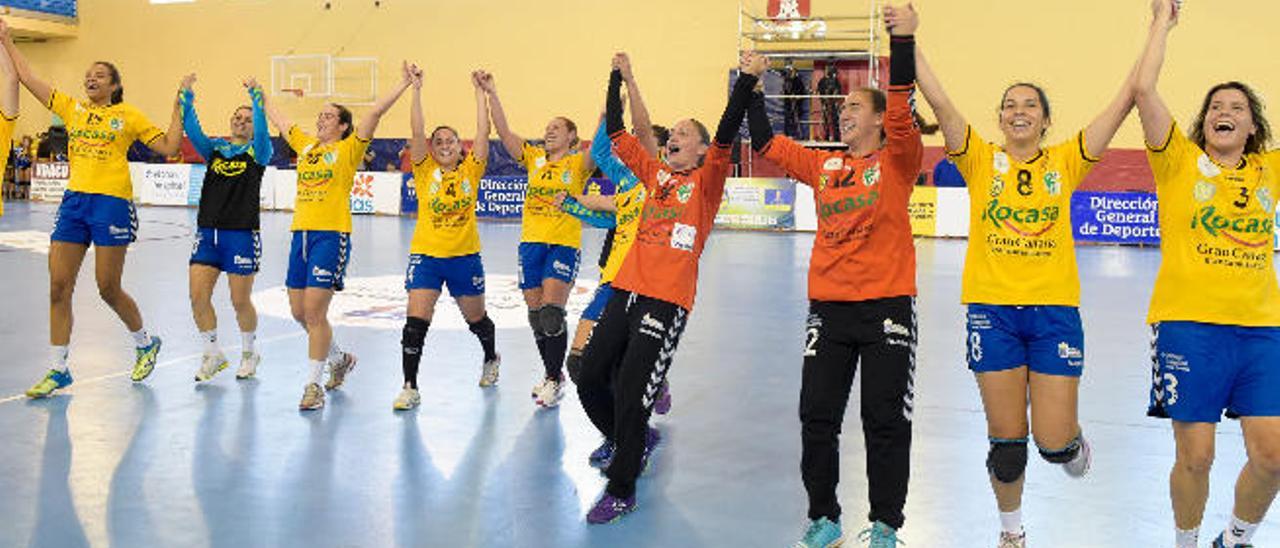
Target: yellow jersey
(1021, 250)
(6, 138)
(630, 206)
(326, 174)
(98, 143)
(446, 224)
(542, 221)
(1217, 227)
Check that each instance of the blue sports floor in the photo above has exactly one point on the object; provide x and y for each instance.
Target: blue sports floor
(235, 464)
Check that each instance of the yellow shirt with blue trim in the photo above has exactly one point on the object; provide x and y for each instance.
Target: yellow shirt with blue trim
(630, 205)
(98, 144)
(6, 138)
(1021, 250)
(1217, 230)
(326, 173)
(446, 224)
(542, 221)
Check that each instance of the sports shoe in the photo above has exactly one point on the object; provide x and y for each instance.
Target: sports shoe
(53, 380)
(609, 508)
(663, 405)
(338, 370)
(489, 374)
(1012, 540)
(822, 533)
(547, 393)
(312, 397)
(602, 456)
(146, 360)
(248, 365)
(408, 399)
(1221, 543)
(211, 365)
(880, 535)
(1079, 466)
(651, 439)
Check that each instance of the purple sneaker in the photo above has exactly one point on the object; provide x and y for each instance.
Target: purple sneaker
(663, 405)
(651, 440)
(610, 508)
(601, 457)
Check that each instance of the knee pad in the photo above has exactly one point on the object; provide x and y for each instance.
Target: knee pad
(551, 318)
(574, 364)
(1007, 459)
(534, 321)
(1064, 455)
(415, 332)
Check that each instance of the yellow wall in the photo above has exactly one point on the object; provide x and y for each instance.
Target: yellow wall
(551, 57)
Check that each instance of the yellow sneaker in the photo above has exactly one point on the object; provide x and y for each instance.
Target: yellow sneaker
(146, 360)
(53, 380)
(312, 397)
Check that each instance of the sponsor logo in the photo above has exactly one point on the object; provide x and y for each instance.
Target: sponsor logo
(117, 124)
(330, 157)
(1244, 231)
(1000, 162)
(663, 176)
(362, 187)
(1204, 191)
(891, 328)
(833, 164)
(478, 282)
(320, 273)
(1207, 167)
(243, 261)
(541, 161)
(1175, 362)
(229, 168)
(1002, 215)
(684, 193)
(1070, 353)
(997, 186)
(871, 175)
(848, 204)
(563, 269)
(118, 231)
(1053, 183)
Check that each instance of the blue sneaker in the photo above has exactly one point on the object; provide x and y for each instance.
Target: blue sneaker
(146, 361)
(822, 533)
(1220, 543)
(602, 456)
(53, 380)
(610, 508)
(880, 535)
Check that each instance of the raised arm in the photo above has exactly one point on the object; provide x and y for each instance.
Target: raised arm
(1156, 120)
(263, 150)
(640, 122)
(42, 91)
(480, 146)
(171, 141)
(950, 120)
(752, 66)
(417, 125)
(1103, 128)
(510, 141)
(369, 123)
(190, 122)
(9, 88)
(278, 119)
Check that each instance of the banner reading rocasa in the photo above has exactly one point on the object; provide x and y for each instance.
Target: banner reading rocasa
(758, 203)
(1115, 217)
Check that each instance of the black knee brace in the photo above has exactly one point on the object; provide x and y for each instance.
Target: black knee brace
(535, 315)
(551, 318)
(574, 364)
(1064, 455)
(415, 332)
(1007, 459)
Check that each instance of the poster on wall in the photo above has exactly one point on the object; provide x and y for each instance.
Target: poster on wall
(923, 209)
(376, 192)
(501, 197)
(758, 203)
(1115, 217)
(49, 181)
(408, 194)
(161, 184)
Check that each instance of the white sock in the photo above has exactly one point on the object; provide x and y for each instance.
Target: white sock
(1239, 532)
(317, 372)
(1187, 538)
(210, 340)
(140, 338)
(1011, 522)
(58, 357)
(247, 339)
(335, 353)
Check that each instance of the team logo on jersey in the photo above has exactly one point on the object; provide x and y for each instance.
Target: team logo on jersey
(684, 193)
(833, 164)
(663, 176)
(684, 236)
(871, 175)
(117, 124)
(1000, 162)
(564, 177)
(997, 186)
(331, 157)
(541, 161)
(466, 186)
(1207, 167)
(437, 175)
(1204, 191)
(1053, 183)
(435, 187)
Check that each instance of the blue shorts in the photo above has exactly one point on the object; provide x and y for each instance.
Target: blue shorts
(318, 258)
(541, 261)
(464, 275)
(1047, 339)
(231, 251)
(99, 219)
(1199, 370)
(598, 300)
